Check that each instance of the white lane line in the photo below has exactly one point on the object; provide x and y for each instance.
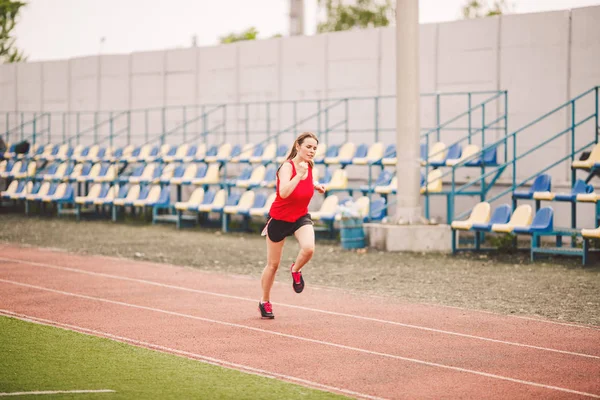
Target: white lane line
(154, 264)
(193, 356)
(383, 321)
(55, 392)
(320, 342)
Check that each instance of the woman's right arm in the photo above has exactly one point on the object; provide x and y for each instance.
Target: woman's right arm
(287, 184)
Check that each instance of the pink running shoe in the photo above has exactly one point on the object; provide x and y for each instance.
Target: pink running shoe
(297, 280)
(266, 310)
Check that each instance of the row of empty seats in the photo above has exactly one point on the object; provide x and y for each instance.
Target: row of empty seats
(345, 154)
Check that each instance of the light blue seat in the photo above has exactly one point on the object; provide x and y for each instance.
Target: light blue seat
(580, 187)
(542, 183)
(384, 179)
(542, 222)
(260, 199)
(454, 152)
(501, 215)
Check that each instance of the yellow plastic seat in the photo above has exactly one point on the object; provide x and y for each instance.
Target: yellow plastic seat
(244, 204)
(218, 202)
(522, 217)
(194, 201)
(375, 153)
(388, 189)
(339, 180)
(346, 152)
(591, 233)
(92, 194)
(211, 177)
(467, 152)
(480, 214)
(258, 175)
(437, 153)
(434, 180)
(328, 208)
(132, 195)
(263, 211)
(592, 159)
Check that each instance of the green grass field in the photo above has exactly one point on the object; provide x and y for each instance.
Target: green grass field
(35, 357)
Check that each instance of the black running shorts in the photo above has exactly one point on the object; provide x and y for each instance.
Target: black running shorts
(278, 230)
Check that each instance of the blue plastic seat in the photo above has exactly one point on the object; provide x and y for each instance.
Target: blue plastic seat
(332, 151)
(361, 151)
(232, 200)
(384, 179)
(390, 151)
(378, 209)
(236, 150)
(543, 183)
(501, 215)
(270, 176)
(454, 152)
(580, 187)
(260, 199)
(208, 198)
(490, 157)
(542, 222)
(282, 150)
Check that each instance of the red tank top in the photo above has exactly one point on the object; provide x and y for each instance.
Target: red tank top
(295, 205)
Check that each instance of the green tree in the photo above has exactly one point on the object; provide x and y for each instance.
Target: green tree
(249, 34)
(481, 8)
(9, 11)
(361, 14)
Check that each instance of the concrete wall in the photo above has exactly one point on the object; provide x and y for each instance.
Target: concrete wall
(541, 59)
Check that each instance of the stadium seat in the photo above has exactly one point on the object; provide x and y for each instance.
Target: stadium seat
(264, 210)
(469, 151)
(217, 201)
(543, 221)
(384, 179)
(592, 161)
(390, 188)
(361, 153)
(243, 205)
(591, 233)
(256, 179)
(92, 194)
(260, 199)
(328, 208)
(390, 157)
(580, 187)
(480, 214)
(211, 177)
(345, 155)
(488, 158)
(521, 217)
(332, 151)
(180, 152)
(434, 184)
(193, 202)
(339, 180)
(437, 154)
(542, 183)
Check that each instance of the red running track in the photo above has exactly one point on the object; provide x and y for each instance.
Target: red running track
(362, 346)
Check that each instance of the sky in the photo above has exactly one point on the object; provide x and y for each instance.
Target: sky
(61, 29)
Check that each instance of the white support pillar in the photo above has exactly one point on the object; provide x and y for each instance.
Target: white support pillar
(408, 206)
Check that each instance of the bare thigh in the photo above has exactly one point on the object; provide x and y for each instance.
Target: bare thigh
(306, 237)
(274, 251)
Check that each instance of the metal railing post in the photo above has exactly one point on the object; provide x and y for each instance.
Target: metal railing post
(469, 104)
(437, 115)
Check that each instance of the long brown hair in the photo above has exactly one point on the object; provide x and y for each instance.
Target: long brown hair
(299, 140)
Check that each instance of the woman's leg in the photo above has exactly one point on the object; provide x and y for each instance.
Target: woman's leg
(274, 250)
(306, 239)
